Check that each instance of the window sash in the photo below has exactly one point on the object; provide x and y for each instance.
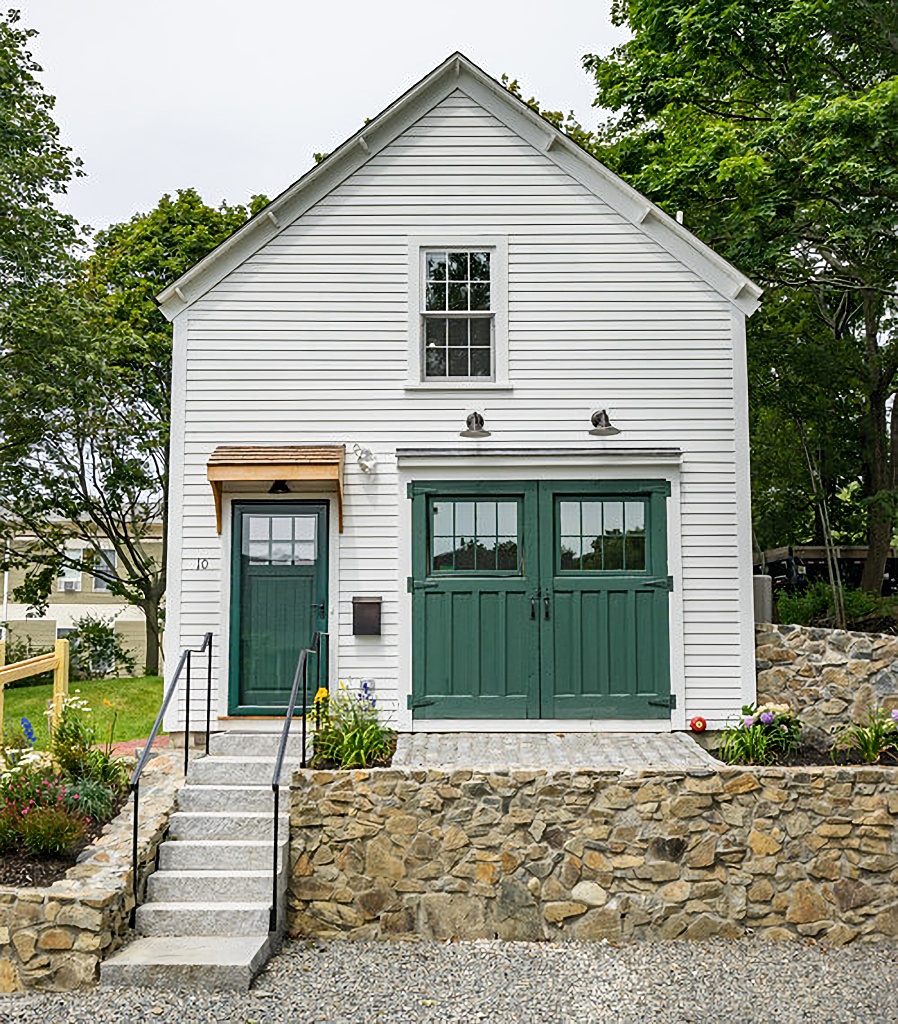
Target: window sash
(433, 315)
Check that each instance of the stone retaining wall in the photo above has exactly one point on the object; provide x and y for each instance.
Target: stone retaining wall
(830, 676)
(53, 938)
(403, 853)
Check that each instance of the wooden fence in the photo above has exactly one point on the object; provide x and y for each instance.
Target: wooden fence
(56, 662)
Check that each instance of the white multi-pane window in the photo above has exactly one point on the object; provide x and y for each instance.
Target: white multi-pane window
(108, 559)
(69, 580)
(458, 315)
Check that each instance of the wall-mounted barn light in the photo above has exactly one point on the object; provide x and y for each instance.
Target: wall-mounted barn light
(365, 458)
(602, 425)
(475, 426)
(279, 487)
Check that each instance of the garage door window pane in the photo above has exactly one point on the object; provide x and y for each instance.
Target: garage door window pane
(474, 536)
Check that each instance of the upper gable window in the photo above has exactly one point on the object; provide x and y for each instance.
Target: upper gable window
(458, 315)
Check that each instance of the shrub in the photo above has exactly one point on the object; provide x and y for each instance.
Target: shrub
(869, 741)
(97, 650)
(46, 831)
(91, 798)
(351, 735)
(763, 735)
(814, 606)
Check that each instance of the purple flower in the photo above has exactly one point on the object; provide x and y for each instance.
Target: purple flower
(895, 714)
(747, 721)
(766, 717)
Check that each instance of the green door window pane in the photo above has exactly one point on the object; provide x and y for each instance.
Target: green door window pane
(474, 535)
(601, 535)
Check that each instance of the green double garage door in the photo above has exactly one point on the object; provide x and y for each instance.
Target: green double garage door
(540, 600)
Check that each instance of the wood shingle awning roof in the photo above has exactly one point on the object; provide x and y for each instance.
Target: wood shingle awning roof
(321, 464)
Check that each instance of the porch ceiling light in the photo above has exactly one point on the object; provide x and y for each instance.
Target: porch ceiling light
(602, 425)
(279, 487)
(475, 426)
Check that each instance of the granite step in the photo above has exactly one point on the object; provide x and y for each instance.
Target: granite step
(220, 854)
(226, 825)
(207, 962)
(257, 744)
(226, 798)
(207, 886)
(198, 917)
(237, 770)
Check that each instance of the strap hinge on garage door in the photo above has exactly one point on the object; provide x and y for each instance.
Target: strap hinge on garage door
(667, 702)
(418, 702)
(663, 584)
(411, 584)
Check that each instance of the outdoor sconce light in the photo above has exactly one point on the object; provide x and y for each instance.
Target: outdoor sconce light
(602, 425)
(365, 458)
(366, 616)
(475, 426)
(279, 487)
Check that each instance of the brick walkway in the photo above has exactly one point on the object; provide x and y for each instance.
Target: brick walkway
(550, 750)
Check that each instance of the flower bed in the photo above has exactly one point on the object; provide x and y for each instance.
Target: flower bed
(54, 801)
(53, 937)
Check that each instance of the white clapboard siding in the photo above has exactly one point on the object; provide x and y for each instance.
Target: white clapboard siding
(307, 342)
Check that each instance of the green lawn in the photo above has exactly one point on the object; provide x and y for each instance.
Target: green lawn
(136, 701)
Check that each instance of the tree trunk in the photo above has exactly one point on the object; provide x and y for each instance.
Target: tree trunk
(151, 614)
(883, 450)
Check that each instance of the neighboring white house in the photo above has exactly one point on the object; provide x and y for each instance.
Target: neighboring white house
(459, 255)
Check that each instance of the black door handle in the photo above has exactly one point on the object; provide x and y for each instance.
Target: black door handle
(320, 606)
(532, 607)
(546, 606)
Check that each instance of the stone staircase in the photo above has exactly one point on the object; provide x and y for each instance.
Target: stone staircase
(205, 919)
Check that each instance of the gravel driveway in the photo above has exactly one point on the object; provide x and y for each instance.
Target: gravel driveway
(747, 980)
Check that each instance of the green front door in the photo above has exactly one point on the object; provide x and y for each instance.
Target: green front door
(540, 600)
(278, 599)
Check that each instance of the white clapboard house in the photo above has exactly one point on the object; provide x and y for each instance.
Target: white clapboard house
(469, 404)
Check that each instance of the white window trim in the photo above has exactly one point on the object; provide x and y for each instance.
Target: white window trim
(70, 574)
(104, 586)
(498, 244)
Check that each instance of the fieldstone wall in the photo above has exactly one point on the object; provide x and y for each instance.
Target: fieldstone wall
(53, 938)
(405, 853)
(830, 676)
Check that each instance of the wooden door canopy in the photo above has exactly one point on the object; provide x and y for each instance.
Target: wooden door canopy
(316, 464)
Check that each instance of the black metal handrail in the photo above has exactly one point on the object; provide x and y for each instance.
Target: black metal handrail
(299, 676)
(185, 659)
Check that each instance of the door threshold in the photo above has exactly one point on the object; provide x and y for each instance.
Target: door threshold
(543, 725)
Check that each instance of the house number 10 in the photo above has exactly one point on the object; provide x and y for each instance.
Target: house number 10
(201, 564)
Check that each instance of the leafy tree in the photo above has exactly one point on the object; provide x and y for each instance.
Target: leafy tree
(85, 398)
(773, 126)
(35, 238)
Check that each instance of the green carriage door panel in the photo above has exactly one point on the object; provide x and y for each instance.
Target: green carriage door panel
(279, 599)
(475, 631)
(604, 640)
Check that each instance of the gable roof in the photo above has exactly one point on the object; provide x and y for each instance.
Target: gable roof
(457, 72)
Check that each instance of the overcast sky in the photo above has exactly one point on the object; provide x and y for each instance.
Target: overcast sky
(234, 98)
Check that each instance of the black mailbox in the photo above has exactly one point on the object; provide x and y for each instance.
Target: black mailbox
(366, 616)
